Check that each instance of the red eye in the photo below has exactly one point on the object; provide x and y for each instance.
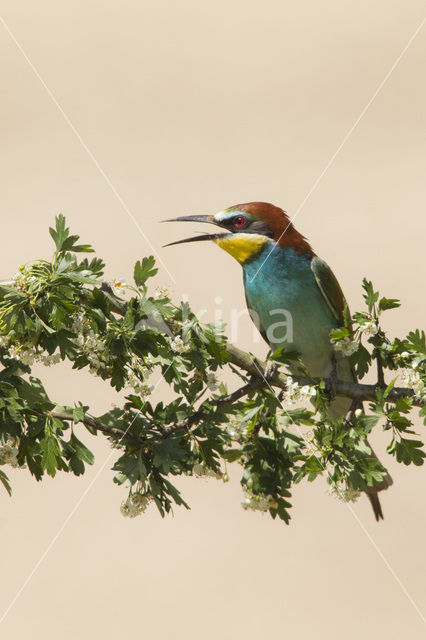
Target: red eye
(240, 221)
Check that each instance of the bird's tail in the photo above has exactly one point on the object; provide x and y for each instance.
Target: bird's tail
(339, 407)
(373, 495)
(375, 503)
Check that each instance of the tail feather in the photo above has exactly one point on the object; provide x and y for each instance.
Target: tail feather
(375, 503)
(339, 407)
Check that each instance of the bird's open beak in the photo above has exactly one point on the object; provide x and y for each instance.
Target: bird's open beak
(206, 236)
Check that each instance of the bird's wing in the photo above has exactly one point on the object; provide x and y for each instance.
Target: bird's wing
(333, 295)
(256, 321)
(331, 290)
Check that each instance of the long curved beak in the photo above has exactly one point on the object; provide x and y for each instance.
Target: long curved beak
(206, 236)
(210, 219)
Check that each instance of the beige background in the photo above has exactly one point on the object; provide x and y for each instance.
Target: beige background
(189, 107)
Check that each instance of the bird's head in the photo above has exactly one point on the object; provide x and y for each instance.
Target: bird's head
(248, 229)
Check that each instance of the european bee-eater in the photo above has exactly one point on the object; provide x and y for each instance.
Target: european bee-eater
(282, 275)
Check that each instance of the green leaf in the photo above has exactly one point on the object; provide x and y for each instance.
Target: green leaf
(362, 360)
(407, 451)
(367, 421)
(60, 233)
(81, 450)
(5, 482)
(65, 242)
(232, 454)
(403, 404)
(418, 340)
(51, 454)
(34, 393)
(338, 334)
(78, 414)
(389, 388)
(370, 295)
(144, 270)
(372, 471)
(297, 416)
(388, 303)
(174, 493)
(167, 452)
(132, 466)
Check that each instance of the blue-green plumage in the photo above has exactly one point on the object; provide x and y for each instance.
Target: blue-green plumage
(294, 295)
(291, 308)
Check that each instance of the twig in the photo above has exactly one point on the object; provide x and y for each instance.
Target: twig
(246, 362)
(109, 431)
(186, 424)
(219, 402)
(353, 390)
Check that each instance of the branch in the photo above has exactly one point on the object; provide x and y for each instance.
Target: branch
(219, 402)
(248, 363)
(186, 424)
(354, 390)
(109, 431)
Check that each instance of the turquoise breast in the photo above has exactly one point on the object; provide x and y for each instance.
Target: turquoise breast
(289, 305)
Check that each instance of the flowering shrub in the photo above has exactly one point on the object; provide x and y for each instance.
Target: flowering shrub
(61, 309)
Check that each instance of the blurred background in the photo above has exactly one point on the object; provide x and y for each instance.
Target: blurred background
(190, 107)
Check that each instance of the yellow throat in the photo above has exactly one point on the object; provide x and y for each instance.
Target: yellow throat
(241, 246)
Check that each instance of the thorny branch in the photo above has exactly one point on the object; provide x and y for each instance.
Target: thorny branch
(245, 361)
(248, 363)
(258, 369)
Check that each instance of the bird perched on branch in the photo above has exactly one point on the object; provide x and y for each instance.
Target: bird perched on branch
(293, 296)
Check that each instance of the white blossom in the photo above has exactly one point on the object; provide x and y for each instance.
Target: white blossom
(307, 392)
(119, 284)
(413, 380)
(370, 328)
(4, 341)
(345, 492)
(311, 448)
(212, 382)
(137, 375)
(258, 502)
(80, 323)
(237, 429)
(49, 360)
(26, 355)
(139, 386)
(346, 346)
(180, 346)
(161, 293)
(135, 504)
(9, 455)
(201, 471)
(90, 344)
(295, 393)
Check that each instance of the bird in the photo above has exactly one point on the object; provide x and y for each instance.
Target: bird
(282, 273)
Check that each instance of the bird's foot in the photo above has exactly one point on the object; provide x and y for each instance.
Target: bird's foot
(350, 414)
(270, 370)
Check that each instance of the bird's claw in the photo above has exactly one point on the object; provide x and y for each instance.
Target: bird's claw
(270, 370)
(350, 414)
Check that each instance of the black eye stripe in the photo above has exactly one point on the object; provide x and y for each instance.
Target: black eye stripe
(240, 222)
